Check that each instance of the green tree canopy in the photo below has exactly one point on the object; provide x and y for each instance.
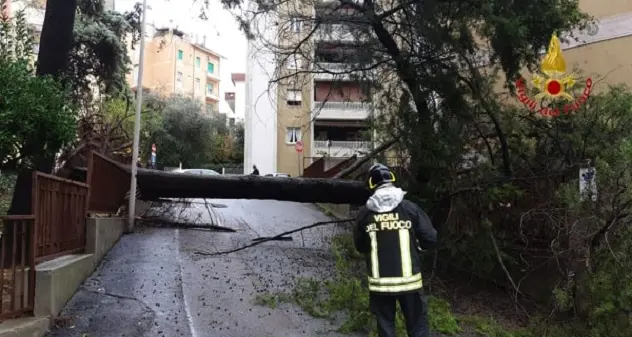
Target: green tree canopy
(36, 118)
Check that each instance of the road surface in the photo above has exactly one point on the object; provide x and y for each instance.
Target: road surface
(153, 284)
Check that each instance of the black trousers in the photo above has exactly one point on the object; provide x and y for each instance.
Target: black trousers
(414, 307)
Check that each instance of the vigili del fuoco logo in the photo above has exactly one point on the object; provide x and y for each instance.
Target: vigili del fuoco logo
(553, 84)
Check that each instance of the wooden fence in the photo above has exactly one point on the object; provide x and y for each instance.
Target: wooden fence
(60, 209)
(17, 277)
(108, 182)
(57, 227)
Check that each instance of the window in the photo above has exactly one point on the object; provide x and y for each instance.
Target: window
(292, 135)
(210, 67)
(197, 84)
(295, 25)
(294, 97)
(180, 55)
(209, 88)
(197, 62)
(179, 78)
(294, 62)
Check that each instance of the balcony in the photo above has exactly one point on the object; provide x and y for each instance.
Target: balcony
(340, 110)
(341, 148)
(336, 32)
(212, 95)
(213, 76)
(335, 71)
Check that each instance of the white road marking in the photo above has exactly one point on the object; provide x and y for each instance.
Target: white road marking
(187, 309)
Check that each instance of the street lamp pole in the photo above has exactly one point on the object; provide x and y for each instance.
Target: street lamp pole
(139, 104)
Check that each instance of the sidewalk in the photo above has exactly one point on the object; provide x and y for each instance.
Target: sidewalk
(136, 291)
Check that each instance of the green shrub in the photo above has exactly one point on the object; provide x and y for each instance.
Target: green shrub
(7, 183)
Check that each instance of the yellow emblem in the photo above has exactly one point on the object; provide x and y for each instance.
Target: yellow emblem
(556, 82)
(553, 83)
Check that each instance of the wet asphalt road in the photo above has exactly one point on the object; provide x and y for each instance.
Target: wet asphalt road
(153, 284)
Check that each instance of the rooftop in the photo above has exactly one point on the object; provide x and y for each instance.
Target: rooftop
(201, 46)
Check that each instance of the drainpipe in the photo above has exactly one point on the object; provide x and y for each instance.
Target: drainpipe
(175, 63)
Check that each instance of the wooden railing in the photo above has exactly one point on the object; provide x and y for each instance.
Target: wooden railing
(109, 183)
(17, 275)
(60, 207)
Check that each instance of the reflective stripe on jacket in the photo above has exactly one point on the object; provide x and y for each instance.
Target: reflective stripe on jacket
(389, 241)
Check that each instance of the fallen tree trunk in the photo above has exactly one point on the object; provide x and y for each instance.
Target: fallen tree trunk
(155, 184)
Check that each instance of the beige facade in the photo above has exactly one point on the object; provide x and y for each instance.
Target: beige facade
(174, 64)
(322, 109)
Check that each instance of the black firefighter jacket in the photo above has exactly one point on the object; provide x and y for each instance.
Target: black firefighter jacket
(389, 232)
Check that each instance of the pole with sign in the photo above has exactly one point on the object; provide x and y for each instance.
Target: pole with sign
(299, 149)
(153, 156)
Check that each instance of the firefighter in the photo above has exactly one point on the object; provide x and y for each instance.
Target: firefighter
(390, 232)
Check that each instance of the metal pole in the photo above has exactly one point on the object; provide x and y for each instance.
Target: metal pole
(139, 105)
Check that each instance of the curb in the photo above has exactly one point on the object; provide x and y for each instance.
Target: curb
(330, 212)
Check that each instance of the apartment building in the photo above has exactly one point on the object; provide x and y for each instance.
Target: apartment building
(324, 110)
(177, 63)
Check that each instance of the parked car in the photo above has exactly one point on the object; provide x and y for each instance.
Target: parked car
(276, 174)
(197, 171)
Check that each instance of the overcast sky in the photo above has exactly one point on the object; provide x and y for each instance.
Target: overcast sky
(221, 29)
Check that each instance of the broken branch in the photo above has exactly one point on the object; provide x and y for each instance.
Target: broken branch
(276, 237)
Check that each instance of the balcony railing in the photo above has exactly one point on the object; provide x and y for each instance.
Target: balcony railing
(337, 32)
(334, 67)
(341, 110)
(212, 95)
(341, 105)
(330, 71)
(341, 148)
(214, 75)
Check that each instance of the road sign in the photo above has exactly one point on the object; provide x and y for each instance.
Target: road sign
(299, 146)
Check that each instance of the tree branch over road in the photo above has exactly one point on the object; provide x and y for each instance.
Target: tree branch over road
(276, 237)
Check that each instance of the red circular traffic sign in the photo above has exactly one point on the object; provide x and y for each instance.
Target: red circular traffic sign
(299, 146)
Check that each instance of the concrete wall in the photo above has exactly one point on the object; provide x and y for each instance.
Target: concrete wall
(240, 100)
(101, 235)
(58, 280)
(260, 120)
